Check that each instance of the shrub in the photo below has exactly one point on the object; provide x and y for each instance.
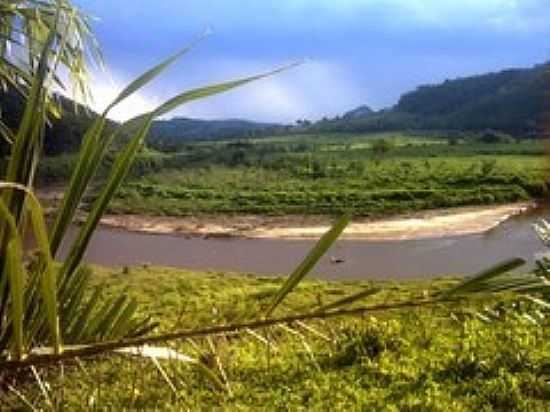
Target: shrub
(367, 339)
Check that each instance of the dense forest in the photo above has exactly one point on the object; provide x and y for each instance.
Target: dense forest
(168, 135)
(63, 135)
(510, 100)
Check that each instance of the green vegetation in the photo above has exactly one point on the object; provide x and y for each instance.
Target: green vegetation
(438, 358)
(42, 304)
(365, 175)
(510, 100)
(444, 351)
(62, 135)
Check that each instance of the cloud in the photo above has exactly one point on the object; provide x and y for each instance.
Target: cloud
(312, 90)
(363, 51)
(106, 87)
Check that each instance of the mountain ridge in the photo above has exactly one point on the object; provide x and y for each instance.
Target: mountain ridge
(510, 100)
(515, 101)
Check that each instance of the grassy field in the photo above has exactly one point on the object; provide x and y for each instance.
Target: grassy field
(332, 174)
(438, 358)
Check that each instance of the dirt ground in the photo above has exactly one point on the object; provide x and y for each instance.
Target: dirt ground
(428, 224)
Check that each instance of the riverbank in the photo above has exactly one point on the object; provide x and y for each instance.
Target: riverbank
(422, 225)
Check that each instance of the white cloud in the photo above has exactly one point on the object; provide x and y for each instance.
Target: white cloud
(105, 88)
(370, 51)
(311, 91)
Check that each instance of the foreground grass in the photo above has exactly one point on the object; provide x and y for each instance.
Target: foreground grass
(434, 358)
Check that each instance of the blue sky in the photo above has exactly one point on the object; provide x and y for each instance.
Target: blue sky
(357, 51)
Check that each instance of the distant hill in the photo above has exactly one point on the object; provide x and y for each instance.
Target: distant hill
(510, 100)
(62, 135)
(360, 112)
(165, 134)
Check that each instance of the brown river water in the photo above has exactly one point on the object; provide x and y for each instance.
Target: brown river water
(361, 259)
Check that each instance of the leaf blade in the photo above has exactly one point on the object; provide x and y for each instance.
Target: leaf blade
(309, 262)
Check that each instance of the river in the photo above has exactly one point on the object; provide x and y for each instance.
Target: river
(361, 259)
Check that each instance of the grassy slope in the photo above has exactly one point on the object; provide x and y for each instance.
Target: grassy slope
(409, 360)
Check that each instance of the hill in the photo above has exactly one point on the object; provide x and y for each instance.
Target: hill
(360, 112)
(510, 100)
(169, 134)
(62, 135)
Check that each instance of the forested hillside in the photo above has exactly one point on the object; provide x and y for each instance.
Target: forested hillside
(62, 135)
(168, 135)
(510, 100)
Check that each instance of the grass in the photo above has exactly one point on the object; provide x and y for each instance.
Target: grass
(394, 185)
(332, 174)
(435, 358)
(328, 174)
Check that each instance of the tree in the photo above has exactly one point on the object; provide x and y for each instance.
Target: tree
(24, 28)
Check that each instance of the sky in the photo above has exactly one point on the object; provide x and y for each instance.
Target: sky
(355, 52)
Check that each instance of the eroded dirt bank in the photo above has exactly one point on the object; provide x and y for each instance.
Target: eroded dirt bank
(422, 225)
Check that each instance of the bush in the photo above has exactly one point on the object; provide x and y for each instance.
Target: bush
(367, 340)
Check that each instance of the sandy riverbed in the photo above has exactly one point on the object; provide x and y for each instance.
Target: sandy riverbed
(422, 225)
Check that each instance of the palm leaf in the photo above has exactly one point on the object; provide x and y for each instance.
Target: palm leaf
(124, 160)
(14, 273)
(47, 275)
(478, 282)
(92, 150)
(348, 300)
(309, 262)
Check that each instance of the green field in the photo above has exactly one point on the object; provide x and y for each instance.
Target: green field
(437, 358)
(332, 174)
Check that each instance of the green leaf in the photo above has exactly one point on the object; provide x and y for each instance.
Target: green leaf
(48, 285)
(348, 300)
(206, 91)
(48, 281)
(6, 133)
(478, 282)
(27, 137)
(147, 77)
(120, 169)
(92, 151)
(80, 322)
(309, 262)
(123, 324)
(14, 273)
